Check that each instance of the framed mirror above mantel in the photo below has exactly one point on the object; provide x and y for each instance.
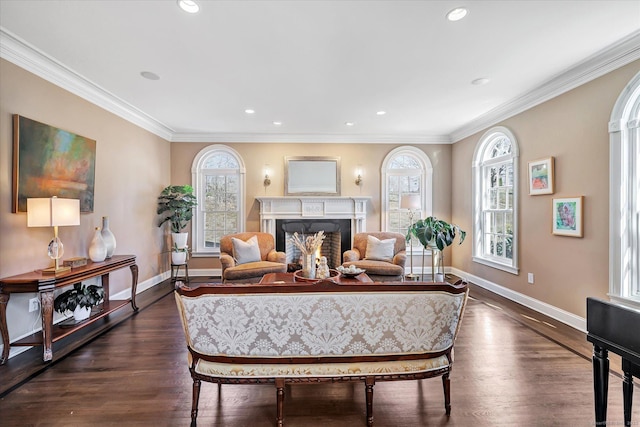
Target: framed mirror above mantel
(311, 176)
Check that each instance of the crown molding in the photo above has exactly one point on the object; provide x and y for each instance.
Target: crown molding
(289, 138)
(27, 56)
(606, 60)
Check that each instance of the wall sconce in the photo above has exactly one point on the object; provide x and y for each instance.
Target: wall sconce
(53, 212)
(267, 180)
(359, 176)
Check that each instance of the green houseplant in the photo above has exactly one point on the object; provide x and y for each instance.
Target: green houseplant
(432, 231)
(435, 234)
(176, 203)
(79, 300)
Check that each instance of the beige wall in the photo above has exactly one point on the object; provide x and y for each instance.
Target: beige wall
(573, 129)
(370, 156)
(132, 167)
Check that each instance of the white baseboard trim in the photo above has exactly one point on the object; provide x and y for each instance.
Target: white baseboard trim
(206, 272)
(125, 294)
(143, 286)
(559, 314)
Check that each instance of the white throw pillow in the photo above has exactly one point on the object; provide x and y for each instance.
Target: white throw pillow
(380, 250)
(244, 252)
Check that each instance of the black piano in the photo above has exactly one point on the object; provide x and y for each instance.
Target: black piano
(615, 328)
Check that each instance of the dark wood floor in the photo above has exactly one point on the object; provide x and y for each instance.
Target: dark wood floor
(509, 370)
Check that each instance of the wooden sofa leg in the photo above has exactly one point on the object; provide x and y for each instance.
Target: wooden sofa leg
(369, 382)
(280, 402)
(194, 402)
(446, 385)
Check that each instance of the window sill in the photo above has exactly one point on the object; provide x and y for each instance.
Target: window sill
(496, 265)
(205, 254)
(631, 302)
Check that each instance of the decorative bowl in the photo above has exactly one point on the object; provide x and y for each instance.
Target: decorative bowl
(350, 273)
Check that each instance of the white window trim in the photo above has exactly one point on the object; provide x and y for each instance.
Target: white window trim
(197, 244)
(478, 155)
(624, 179)
(426, 194)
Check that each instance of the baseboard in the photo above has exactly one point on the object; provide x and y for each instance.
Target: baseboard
(560, 315)
(205, 272)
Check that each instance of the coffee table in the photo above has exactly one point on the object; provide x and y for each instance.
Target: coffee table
(288, 278)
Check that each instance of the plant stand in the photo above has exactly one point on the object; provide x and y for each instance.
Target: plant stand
(175, 271)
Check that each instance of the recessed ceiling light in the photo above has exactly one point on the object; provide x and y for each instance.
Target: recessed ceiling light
(481, 81)
(381, 113)
(249, 111)
(349, 123)
(149, 75)
(457, 14)
(277, 123)
(189, 6)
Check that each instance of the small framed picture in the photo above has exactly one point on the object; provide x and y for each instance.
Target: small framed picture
(567, 216)
(541, 177)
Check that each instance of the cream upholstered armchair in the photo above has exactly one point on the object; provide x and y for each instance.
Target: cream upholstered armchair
(246, 257)
(382, 254)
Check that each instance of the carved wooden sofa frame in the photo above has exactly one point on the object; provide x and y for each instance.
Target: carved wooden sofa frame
(293, 332)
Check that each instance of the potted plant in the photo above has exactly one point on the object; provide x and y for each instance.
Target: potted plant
(179, 255)
(435, 234)
(176, 203)
(79, 300)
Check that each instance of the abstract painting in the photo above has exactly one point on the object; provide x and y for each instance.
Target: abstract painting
(48, 161)
(541, 177)
(567, 216)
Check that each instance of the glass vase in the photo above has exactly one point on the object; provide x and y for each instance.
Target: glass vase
(309, 266)
(437, 265)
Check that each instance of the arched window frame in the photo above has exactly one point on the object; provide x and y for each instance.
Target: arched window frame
(198, 175)
(426, 179)
(481, 161)
(624, 201)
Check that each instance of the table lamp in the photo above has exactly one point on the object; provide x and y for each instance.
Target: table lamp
(53, 212)
(411, 202)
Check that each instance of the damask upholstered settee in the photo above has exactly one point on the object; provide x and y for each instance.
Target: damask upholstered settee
(292, 333)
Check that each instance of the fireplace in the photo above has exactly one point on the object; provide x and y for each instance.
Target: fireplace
(339, 217)
(337, 240)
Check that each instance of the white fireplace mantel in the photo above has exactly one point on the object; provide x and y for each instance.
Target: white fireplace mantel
(310, 207)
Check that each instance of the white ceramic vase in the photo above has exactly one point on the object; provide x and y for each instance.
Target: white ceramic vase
(108, 237)
(180, 239)
(178, 258)
(97, 248)
(81, 313)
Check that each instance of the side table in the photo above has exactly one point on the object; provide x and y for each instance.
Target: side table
(45, 285)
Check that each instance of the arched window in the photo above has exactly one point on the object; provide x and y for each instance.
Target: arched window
(218, 178)
(624, 181)
(495, 196)
(405, 171)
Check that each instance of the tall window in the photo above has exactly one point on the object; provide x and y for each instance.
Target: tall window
(495, 194)
(405, 171)
(218, 180)
(624, 172)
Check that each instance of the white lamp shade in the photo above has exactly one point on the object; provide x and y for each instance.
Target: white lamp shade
(53, 212)
(410, 201)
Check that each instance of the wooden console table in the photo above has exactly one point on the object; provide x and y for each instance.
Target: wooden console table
(45, 285)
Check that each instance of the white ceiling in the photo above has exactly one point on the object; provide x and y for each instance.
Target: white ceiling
(314, 65)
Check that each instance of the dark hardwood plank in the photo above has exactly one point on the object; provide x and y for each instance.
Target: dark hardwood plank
(135, 374)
